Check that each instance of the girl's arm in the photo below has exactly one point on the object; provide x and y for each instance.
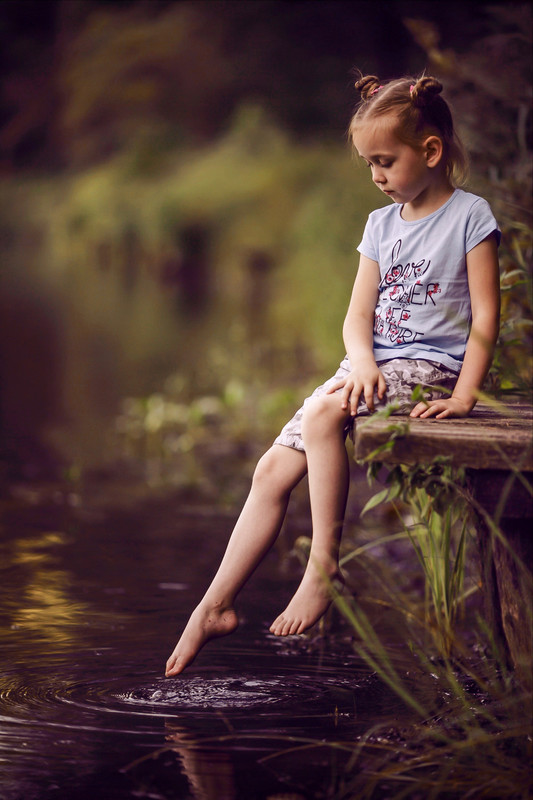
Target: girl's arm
(484, 287)
(358, 332)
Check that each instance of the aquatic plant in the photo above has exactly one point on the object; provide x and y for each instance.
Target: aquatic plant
(437, 527)
(473, 737)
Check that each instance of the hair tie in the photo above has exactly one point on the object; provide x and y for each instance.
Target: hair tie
(375, 90)
(412, 86)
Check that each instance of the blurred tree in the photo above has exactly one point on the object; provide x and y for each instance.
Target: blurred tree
(28, 106)
(85, 78)
(150, 74)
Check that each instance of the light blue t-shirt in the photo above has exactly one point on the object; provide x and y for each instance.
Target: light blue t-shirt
(423, 310)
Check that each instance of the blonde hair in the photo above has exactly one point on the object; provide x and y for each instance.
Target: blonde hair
(420, 111)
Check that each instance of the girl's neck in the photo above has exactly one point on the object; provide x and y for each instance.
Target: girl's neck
(435, 196)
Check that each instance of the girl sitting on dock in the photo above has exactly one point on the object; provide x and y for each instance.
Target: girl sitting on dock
(424, 311)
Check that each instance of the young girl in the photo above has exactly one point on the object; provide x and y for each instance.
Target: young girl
(424, 310)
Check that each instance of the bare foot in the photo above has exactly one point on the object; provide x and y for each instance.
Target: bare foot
(310, 602)
(206, 622)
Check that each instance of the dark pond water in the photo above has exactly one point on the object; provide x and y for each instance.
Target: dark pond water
(91, 601)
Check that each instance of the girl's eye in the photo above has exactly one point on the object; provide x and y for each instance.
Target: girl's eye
(382, 165)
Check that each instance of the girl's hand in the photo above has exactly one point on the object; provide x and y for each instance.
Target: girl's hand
(441, 409)
(364, 380)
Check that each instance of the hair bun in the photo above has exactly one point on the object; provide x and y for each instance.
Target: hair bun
(367, 85)
(424, 91)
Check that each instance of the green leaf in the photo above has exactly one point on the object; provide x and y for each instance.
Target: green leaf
(374, 501)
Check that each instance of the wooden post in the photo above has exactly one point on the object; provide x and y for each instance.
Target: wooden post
(506, 561)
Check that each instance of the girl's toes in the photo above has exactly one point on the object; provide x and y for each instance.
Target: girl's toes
(293, 628)
(280, 627)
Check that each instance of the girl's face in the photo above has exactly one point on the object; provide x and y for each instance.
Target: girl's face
(403, 172)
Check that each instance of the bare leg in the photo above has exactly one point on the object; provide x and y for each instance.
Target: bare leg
(259, 523)
(327, 462)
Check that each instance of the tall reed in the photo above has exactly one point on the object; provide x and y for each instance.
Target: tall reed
(473, 734)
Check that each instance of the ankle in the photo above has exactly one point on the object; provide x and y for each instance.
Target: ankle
(324, 561)
(217, 603)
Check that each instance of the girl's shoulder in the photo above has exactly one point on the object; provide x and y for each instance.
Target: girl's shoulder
(385, 211)
(477, 218)
(384, 216)
(469, 200)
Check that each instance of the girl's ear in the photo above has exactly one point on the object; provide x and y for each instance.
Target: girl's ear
(433, 150)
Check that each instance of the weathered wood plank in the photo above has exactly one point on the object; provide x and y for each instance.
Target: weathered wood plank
(487, 439)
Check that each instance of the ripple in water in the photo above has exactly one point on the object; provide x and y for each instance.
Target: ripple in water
(273, 692)
(204, 693)
(303, 694)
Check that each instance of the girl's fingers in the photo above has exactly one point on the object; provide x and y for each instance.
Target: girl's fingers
(354, 401)
(336, 386)
(369, 396)
(419, 409)
(346, 394)
(440, 409)
(352, 391)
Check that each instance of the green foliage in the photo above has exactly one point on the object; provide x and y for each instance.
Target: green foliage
(207, 445)
(437, 526)
(103, 246)
(473, 735)
(490, 88)
(88, 78)
(110, 247)
(512, 365)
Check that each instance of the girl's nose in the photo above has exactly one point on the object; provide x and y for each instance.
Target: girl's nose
(377, 175)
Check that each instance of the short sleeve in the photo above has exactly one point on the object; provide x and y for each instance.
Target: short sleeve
(367, 246)
(481, 223)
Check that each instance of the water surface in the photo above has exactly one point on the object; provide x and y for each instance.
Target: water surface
(91, 601)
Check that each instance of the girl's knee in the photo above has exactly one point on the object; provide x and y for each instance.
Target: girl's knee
(323, 415)
(278, 469)
(265, 467)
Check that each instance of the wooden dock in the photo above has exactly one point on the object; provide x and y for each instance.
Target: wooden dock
(495, 446)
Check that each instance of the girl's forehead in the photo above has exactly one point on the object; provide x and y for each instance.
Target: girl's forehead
(376, 136)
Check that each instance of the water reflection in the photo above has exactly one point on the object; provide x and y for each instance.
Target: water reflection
(35, 593)
(210, 773)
